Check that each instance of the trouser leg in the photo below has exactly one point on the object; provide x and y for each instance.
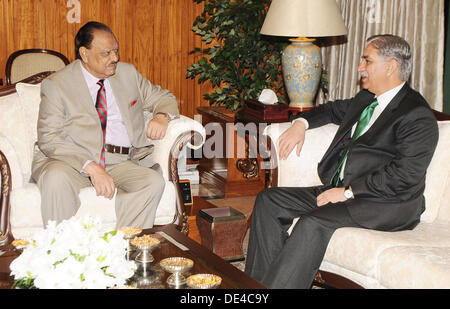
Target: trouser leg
(60, 185)
(282, 261)
(272, 215)
(139, 190)
(298, 261)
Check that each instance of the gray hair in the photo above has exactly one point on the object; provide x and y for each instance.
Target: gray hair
(394, 47)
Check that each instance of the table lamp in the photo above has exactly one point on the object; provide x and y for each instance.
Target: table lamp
(303, 20)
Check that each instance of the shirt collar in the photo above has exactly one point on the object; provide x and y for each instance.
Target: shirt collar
(90, 79)
(385, 98)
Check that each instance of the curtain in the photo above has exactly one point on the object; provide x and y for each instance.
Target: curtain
(420, 22)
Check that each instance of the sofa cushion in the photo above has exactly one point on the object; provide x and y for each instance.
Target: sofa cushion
(30, 98)
(13, 160)
(26, 208)
(415, 267)
(359, 249)
(444, 210)
(165, 212)
(291, 172)
(437, 177)
(12, 125)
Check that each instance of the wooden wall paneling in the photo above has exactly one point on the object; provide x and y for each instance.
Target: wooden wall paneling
(187, 84)
(154, 35)
(174, 71)
(3, 38)
(157, 38)
(142, 37)
(163, 51)
(124, 30)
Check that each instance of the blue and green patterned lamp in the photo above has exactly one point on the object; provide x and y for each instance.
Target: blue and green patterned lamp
(303, 20)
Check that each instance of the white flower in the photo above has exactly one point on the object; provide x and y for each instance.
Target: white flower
(75, 254)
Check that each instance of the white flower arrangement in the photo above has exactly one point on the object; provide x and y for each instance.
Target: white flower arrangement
(75, 254)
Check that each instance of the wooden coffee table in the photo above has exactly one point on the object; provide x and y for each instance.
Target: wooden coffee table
(173, 244)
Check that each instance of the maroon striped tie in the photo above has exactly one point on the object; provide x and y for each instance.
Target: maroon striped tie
(102, 111)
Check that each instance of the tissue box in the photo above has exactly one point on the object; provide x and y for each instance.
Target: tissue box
(255, 110)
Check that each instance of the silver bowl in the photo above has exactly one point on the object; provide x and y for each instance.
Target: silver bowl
(177, 266)
(145, 254)
(204, 281)
(128, 237)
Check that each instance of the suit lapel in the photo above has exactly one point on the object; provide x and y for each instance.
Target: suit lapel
(353, 113)
(81, 90)
(386, 114)
(121, 100)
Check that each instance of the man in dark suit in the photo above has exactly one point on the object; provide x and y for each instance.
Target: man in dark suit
(373, 173)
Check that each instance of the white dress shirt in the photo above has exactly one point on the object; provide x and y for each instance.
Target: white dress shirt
(116, 132)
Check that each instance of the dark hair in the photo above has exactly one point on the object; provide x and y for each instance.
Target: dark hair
(85, 35)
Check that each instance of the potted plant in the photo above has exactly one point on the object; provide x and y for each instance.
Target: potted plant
(239, 62)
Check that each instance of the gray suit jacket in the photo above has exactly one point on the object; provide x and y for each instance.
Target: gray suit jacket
(69, 127)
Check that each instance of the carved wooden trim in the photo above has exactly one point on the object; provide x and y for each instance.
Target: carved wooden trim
(273, 159)
(16, 54)
(441, 116)
(34, 80)
(248, 167)
(5, 206)
(331, 280)
(180, 214)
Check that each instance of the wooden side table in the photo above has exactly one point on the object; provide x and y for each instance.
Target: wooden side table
(234, 175)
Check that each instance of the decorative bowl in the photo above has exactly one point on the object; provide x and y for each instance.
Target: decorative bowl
(177, 266)
(203, 281)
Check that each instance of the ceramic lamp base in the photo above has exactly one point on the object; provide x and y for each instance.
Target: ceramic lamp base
(302, 68)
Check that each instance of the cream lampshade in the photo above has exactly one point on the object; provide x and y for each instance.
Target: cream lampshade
(302, 61)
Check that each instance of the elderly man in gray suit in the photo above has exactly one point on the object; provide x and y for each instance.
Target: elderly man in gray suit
(95, 128)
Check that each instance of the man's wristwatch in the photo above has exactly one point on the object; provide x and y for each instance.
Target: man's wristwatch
(166, 116)
(348, 193)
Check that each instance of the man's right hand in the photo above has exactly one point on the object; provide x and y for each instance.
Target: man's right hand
(101, 180)
(294, 136)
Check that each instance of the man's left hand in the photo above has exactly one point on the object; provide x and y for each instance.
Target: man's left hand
(157, 127)
(334, 195)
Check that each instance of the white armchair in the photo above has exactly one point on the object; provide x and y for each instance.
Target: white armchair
(357, 257)
(20, 211)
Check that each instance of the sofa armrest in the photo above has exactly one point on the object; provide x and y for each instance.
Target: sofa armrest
(182, 132)
(5, 205)
(179, 134)
(299, 171)
(12, 158)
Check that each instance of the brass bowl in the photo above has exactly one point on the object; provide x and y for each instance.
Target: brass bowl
(204, 281)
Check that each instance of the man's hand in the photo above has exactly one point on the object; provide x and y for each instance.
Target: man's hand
(294, 136)
(101, 180)
(334, 195)
(157, 127)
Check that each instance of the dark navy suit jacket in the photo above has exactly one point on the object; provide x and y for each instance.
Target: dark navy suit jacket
(386, 166)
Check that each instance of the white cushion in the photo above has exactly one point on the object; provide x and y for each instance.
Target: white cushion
(301, 171)
(165, 212)
(415, 267)
(26, 208)
(12, 125)
(30, 99)
(358, 249)
(13, 161)
(437, 179)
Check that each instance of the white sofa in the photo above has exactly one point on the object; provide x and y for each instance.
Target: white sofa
(356, 257)
(19, 108)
